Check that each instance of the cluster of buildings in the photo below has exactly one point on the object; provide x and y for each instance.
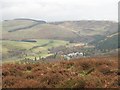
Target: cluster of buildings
(73, 55)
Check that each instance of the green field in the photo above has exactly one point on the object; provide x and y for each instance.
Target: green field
(17, 50)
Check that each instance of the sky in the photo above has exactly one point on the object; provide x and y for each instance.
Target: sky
(59, 10)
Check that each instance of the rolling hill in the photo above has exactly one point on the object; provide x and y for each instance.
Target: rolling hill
(101, 34)
(76, 31)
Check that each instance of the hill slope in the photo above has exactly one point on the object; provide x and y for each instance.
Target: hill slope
(108, 42)
(68, 30)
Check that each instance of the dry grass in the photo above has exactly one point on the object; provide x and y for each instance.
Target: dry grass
(97, 72)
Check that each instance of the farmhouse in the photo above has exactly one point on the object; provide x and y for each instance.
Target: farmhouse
(73, 55)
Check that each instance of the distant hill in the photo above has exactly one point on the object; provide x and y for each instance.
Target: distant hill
(76, 31)
(90, 27)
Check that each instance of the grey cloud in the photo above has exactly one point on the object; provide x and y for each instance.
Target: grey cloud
(58, 10)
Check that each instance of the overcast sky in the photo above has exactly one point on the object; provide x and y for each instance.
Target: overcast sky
(60, 10)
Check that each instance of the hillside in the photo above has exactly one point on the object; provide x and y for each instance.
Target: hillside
(77, 31)
(109, 42)
(90, 27)
(100, 72)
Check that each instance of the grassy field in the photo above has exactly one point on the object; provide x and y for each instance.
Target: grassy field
(14, 49)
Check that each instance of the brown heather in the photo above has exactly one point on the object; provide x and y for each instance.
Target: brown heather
(96, 72)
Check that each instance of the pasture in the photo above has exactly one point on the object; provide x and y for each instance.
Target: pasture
(17, 50)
